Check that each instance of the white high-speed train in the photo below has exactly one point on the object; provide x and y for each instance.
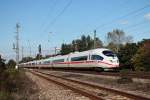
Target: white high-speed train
(101, 59)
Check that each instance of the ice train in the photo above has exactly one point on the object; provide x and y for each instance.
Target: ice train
(101, 59)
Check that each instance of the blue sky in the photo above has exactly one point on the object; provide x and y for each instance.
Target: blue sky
(43, 22)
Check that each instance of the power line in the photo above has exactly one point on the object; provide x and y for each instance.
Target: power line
(135, 25)
(132, 16)
(134, 30)
(29, 47)
(49, 14)
(128, 14)
(22, 52)
(56, 18)
(129, 27)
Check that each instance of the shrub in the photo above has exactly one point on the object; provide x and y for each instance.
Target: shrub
(141, 60)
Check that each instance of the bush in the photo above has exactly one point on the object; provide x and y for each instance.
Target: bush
(141, 60)
(5, 96)
(125, 54)
(9, 79)
(11, 64)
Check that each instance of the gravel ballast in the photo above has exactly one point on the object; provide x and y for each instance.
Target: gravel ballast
(131, 87)
(51, 91)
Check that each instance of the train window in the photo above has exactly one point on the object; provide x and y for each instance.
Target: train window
(81, 58)
(108, 53)
(67, 59)
(58, 60)
(46, 62)
(96, 57)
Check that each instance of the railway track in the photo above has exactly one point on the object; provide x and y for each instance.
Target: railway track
(94, 92)
(128, 74)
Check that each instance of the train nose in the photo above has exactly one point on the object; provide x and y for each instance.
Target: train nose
(114, 60)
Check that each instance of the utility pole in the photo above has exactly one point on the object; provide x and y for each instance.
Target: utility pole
(29, 47)
(40, 51)
(94, 39)
(55, 50)
(22, 52)
(16, 46)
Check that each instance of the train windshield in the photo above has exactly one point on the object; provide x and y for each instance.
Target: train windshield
(109, 53)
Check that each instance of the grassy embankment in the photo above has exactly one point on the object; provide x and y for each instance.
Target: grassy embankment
(15, 85)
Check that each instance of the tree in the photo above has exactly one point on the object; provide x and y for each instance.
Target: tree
(118, 37)
(38, 56)
(26, 59)
(89, 42)
(11, 63)
(111, 46)
(65, 49)
(99, 43)
(141, 60)
(82, 44)
(125, 54)
(2, 64)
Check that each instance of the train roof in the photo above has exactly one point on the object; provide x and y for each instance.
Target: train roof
(92, 50)
(98, 50)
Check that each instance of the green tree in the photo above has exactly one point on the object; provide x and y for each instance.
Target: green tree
(11, 63)
(26, 59)
(141, 60)
(2, 65)
(82, 44)
(89, 42)
(99, 43)
(65, 49)
(38, 56)
(125, 54)
(111, 46)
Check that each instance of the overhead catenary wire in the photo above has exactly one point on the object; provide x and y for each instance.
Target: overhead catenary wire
(51, 10)
(122, 17)
(130, 27)
(128, 14)
(56, 18)
(135, 25)
(117, 19)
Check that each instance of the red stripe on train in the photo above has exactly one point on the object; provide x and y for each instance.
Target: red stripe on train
(81, 62)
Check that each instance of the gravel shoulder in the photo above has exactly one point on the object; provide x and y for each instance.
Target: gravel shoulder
(50, 91)
(131, 87)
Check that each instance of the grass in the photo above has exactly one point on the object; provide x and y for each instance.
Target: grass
(15, 85)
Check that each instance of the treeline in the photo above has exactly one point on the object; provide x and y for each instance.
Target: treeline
(85, 43)
(133, 56)
(115, 39)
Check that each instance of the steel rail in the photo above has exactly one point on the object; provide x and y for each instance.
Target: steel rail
(129, 95)
(77, 90)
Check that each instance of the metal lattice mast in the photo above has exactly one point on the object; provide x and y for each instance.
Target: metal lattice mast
(16, 48)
